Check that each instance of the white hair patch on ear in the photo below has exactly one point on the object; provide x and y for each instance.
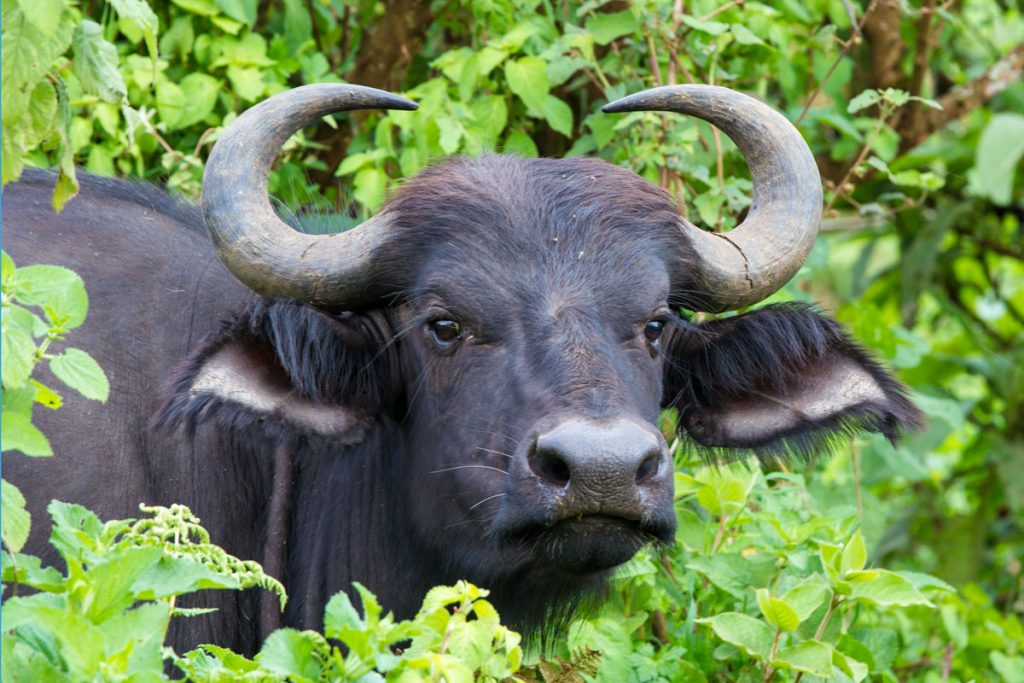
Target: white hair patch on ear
(251, 378)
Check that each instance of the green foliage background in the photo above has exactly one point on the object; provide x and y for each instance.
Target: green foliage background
(913, 112)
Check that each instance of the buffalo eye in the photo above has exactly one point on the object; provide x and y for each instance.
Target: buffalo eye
(445, 332)
(653, 330)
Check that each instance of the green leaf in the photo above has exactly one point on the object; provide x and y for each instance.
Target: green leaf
(712, 28)
(996, 158)
(733, 572)
(178, 575)
(139, 13)
(610, 637)
(55, 288)
(1009, 668)
(170, 103)
(243, 11)
(66, 186)
(95, 63)
(40, 14)
(888, 589)
(81, 372)
(106, 589)
(807, 596)
(16, 520)
(200, 92)
(751, 635)
(810, 656)
(558, 115)
(247, 82)
(518, 142)
(293, 653)
(855, 554)
(18, 357)
(528, 78)
(744, 36)
(863, 101)
(777, 612)
(17, 433)
(608, 27)
(369, 187)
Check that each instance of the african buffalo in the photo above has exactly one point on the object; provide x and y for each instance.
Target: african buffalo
(465, 386)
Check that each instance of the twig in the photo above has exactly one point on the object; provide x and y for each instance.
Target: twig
(856, 164)
(855, 38)
(714, 13)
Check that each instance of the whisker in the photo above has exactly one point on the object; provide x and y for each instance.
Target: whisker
(496, 495)
(462, 467)
(488, 450)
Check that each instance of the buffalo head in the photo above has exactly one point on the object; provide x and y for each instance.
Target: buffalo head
(518, 325)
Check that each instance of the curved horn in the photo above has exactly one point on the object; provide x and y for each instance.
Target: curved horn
(258, 247)
(761, 254)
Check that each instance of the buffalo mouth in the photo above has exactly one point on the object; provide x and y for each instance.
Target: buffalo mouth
(593, 543)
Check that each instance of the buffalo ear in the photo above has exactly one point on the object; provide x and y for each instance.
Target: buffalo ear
(781, 380)
(291, 364)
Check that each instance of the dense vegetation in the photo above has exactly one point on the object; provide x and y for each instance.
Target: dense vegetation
(912, 112)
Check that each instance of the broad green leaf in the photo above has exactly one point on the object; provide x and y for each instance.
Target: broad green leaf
(1009, 668)
(40, 118)
(293, 653)
(611, 638)
(608, 27)
(528, 78)
(75, 529)
(29, 570)
(744, 36)
(735, 573)
(19, 434)
(40, 14)
(751, 635)
(490, 115)
(106, 590)
(807, 596)
(863, 101)
(170, 103)
(59, 289)
(142, 630)
(18, 357)
(139, 13)
(15, 519)
(810, 656)
(79, 643)
(558, 115)
(95, 63)
(725, 488)
(713, 28)
(775, 610)
(199, 92)
(81, 372)
(888, 589)
(177, 575)
(518, 142)
(369, 187)
(204, 8)
(243, 11)
(996, 158)
(247, 82)
(855, 554)
(7, 268)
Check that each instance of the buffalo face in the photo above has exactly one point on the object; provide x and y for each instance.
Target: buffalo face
(535, 363)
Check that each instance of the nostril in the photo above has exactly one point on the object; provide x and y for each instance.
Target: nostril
(549, 466)
(649, 467)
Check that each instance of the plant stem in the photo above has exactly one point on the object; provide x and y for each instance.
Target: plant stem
(769, 672)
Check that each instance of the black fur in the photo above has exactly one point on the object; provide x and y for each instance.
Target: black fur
(551, 267)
